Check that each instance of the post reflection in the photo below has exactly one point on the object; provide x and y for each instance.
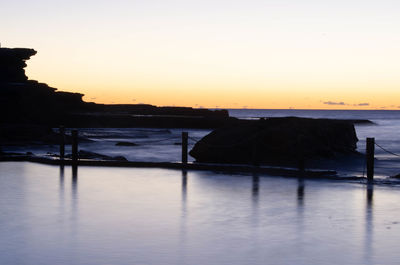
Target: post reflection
(61, 181)
(370, 195)
(300, 192)
(61, 189)
(369, 221)
(184, 190)
(255, 188)
(182, 230)
(255, 191)
(74, 181)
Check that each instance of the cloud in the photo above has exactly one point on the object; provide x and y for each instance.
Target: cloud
(341, 103)
(335, 103)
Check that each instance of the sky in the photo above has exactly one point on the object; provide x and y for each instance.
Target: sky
(303, 54)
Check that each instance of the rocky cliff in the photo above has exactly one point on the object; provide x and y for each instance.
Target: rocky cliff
(12, 64)
(28, 101)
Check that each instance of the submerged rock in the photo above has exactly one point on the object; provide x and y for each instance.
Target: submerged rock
(277, 141)
(125, 144)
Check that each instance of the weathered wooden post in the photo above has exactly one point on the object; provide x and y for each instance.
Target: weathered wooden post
(370, 158)
(184, 147)
(62, 142)
(74, 134)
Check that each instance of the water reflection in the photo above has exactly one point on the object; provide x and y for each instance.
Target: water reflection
(300, 192)
(74, 181)
(300, 206)
(369, 222)
(61, 181)
(74, 191)
(370, 194)
(219, 216)
(182, 230)
(184, 191)
(255, 188)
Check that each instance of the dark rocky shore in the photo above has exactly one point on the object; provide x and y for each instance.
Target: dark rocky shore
(24, 101)
(30, 109)
(290, 140)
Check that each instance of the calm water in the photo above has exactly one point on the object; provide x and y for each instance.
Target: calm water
(154, 216)
(50, 215)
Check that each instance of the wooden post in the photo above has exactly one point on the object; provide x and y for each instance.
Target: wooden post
(74, 134)
(184, 147)
(370, 158)
(62, 142)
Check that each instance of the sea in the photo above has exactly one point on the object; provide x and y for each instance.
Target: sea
(149, 216)
(163, 145)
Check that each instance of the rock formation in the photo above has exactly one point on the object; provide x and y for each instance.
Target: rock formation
(12, 64)
(30, 102)
(281, 141)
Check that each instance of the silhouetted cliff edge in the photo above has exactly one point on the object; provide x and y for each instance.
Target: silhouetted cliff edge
(30, 102)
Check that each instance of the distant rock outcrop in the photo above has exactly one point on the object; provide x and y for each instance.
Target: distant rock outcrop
(277, 141)
(24, 101)
(28, 101)
(12, 64)
(125, 144)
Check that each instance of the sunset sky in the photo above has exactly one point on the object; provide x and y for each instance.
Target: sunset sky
(305, 54)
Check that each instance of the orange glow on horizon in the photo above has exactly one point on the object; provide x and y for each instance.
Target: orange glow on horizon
(253, 54)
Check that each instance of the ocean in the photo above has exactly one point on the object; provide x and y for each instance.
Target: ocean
(147, 216)
(162, 145)
(385, 130)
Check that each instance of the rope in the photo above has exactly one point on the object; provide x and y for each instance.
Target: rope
(157, 141)
(194, 139)
(387, 151)
(166, 139)
(239, 143)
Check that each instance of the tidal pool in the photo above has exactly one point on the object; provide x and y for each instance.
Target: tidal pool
(98, 215)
